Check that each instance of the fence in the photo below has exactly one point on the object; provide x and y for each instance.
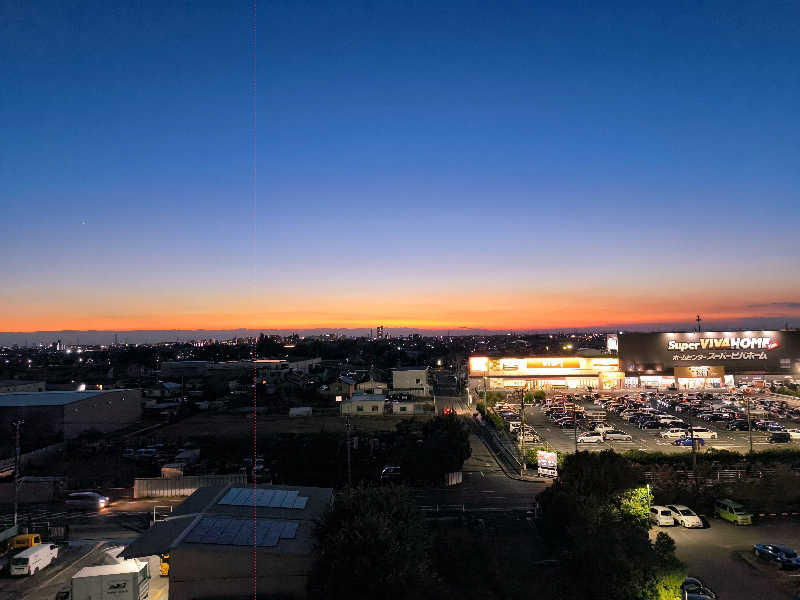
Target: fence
(717, 476)
(155, 487)
(7, 464)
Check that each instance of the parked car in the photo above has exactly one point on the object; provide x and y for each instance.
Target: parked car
(674, 432)
(603, 427)
(616, 434)
(687, 441)
(738, 425)
(650, 425)
(590, 437)
(88, 500)
(695, 589)
(779, 437)
(703, 432)
(794, 434)
(661, 516)
(685, 516)
(391, 473)
(734, 512)
(783, 556)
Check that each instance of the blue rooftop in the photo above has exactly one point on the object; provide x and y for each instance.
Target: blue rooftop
(44, 398)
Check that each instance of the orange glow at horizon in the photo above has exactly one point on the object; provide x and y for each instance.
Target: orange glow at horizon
(493, 311)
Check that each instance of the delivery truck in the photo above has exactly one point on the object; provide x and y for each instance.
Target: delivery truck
(127, 580)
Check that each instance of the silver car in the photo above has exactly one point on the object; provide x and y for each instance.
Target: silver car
(616, 434)
(89, 500)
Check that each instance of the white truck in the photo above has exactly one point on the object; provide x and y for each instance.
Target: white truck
(127, 580)
(34, 559)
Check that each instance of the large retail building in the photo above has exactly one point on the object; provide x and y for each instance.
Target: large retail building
(545, 372)
(694, 360)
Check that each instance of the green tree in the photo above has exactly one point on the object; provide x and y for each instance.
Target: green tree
(372, 544)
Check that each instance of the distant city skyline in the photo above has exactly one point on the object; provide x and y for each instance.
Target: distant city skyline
(435, 165)
(73, 337)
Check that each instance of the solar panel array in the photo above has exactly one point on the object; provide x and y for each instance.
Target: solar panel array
(239, 532)
(264, 498)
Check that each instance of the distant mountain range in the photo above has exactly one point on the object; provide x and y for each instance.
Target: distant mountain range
(33, 338)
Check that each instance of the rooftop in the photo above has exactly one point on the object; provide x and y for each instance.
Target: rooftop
(223, 516)
(45, 398)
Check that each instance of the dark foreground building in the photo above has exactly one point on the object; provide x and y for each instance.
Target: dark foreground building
(210, 539)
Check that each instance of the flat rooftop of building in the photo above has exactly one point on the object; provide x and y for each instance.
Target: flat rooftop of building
(13, 399)
(223, 516)
(8, 382)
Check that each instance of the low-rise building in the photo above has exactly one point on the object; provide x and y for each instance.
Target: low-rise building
(213, 541)
(363, 404)
(72, 413)
(372, 386)
(342, 388)
(411, 380)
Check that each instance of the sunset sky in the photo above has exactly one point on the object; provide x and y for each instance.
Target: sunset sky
(420, 164)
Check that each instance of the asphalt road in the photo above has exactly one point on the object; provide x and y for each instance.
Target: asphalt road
(72, 558)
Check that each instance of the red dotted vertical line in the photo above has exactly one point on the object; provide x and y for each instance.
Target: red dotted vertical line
(255, 340)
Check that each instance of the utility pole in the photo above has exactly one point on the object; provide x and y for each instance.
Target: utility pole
(349, 472)
(749, 425)
(523, 465)
(17, 424)
(575, 424)
(698, 319)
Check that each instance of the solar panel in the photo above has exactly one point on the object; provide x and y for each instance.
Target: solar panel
(277, 499)
(265, 498)
(289, 530)
(273, 534)
(239, 532)
(291, 496)
(230, 531)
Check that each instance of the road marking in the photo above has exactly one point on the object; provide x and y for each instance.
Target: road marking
(158, 595)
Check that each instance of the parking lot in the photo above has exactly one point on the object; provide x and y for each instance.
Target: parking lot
(563, 440)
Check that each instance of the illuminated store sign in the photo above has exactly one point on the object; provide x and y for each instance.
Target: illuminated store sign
(732, 343)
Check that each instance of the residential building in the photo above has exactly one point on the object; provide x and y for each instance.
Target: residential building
(364, 404)
(411, 380)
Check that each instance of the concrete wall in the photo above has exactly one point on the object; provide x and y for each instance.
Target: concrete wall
(105, 412)
(154, 487)
(362, 407)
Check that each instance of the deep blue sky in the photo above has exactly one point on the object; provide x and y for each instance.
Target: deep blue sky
(430, 163)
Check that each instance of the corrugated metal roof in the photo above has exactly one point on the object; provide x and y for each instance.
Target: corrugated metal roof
(45, 398)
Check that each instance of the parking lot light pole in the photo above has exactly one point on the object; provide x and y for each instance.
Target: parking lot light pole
(575, 424)
(749, 425)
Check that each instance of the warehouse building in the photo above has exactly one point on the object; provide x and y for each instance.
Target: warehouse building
(69, 414)
(210, 541)
(709, 359)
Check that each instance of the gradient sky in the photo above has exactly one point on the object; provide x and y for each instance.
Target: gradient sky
(423, 164)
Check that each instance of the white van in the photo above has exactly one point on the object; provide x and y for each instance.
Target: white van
(661, 516)
(34, 559)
